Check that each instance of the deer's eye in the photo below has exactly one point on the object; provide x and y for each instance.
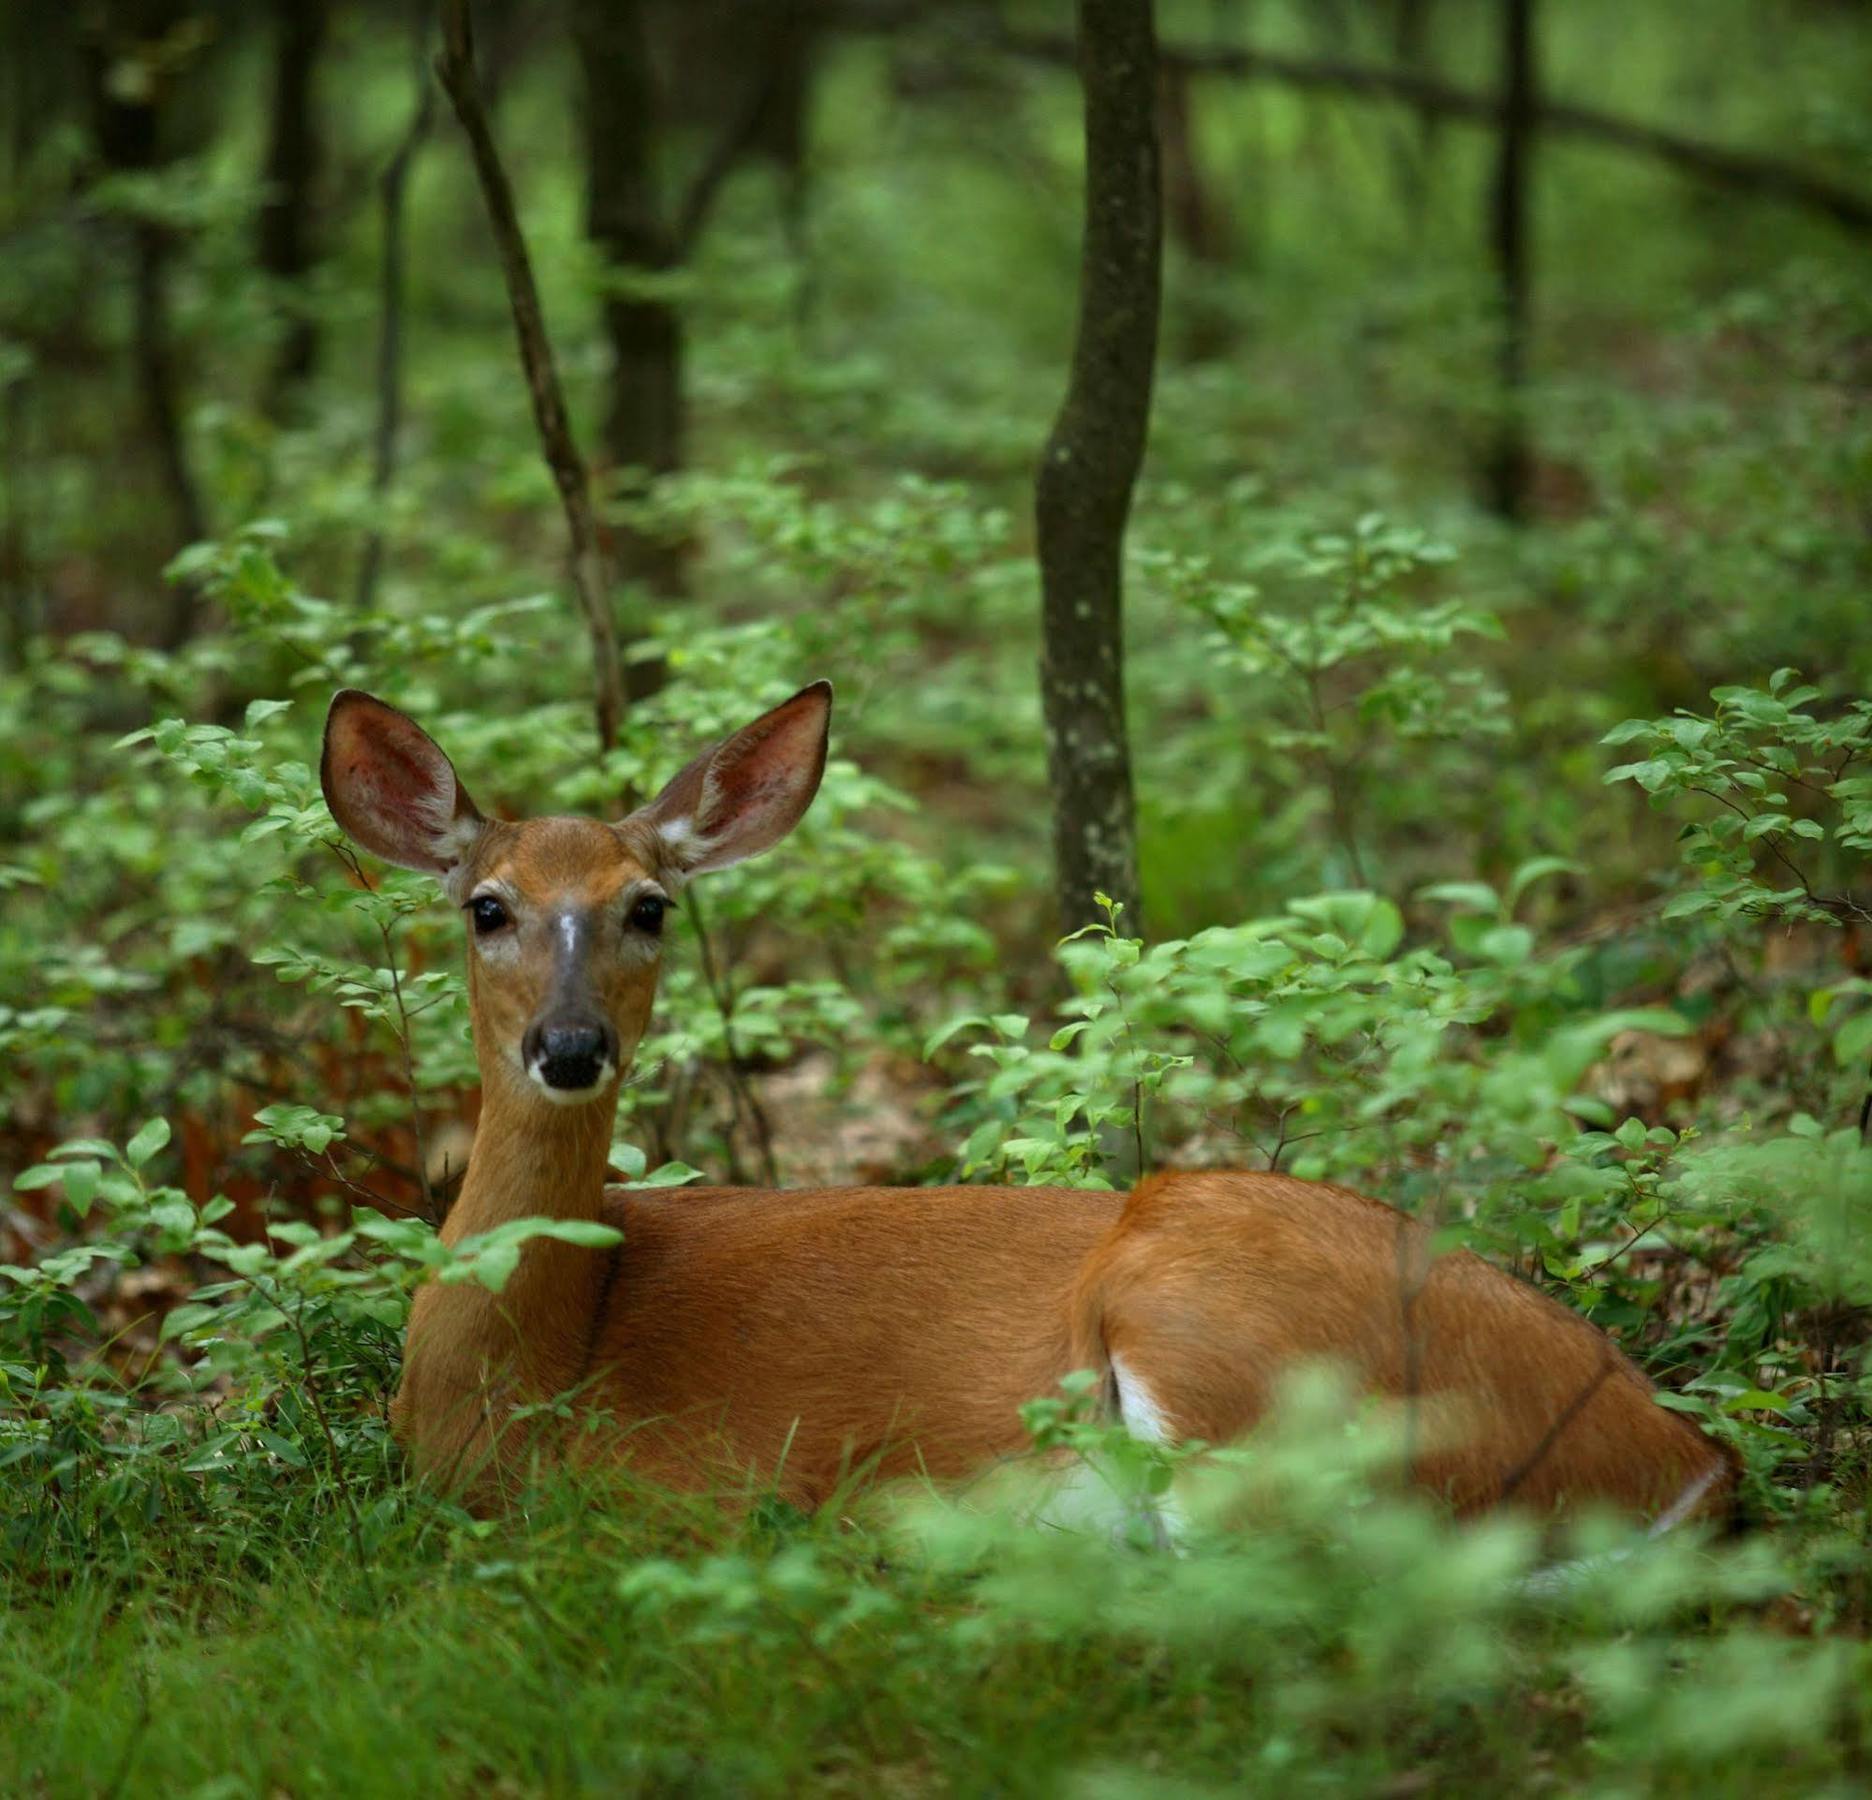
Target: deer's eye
(488, 914)
(647, 914)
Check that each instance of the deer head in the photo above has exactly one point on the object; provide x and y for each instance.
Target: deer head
(564, 917)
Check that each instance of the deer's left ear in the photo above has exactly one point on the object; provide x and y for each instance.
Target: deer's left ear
(392, 790)
(746, 794)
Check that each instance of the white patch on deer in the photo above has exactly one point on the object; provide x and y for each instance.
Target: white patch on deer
(683, 846)
(1143, 1417)
(1088, 1498)
(607, 1073)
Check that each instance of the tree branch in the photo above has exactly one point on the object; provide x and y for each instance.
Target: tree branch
(725, 154)
(455, 70)
(1741, 171)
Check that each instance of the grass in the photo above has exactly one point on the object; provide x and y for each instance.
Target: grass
(1317, 1632)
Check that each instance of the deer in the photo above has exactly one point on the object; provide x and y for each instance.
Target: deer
(788, 1337)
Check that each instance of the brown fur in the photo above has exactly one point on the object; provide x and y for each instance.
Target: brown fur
(793, 1336)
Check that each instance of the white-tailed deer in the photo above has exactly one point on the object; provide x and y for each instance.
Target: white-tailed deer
(795, 1335)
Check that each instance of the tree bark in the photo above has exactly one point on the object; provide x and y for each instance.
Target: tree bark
(1083, 490)
(1412, 40)
(286, 247)
(1509, 464)
(644, 424)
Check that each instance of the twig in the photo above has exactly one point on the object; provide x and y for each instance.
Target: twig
(348, 857)
(455, 69)
(726, 153)
(739, 1088)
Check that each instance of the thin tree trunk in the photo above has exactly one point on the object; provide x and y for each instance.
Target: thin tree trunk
(1192, 212)
(126, 128)
(1412, 40)
(644, 425)
(1083, 491)
(18, 581)
(455, 68)
(392, 281)
(286, 248)
(1509, 463)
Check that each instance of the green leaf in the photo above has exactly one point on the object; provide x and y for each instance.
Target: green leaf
(1538, 868)
(1508, 945)
(147, 1142)
(1366, 920)
(259, 711)
(284, 1448)
(98, 1148)
(81, 1185)
(1853, 1041)
(943, 1033)
(1650, 775)
(1477, 895)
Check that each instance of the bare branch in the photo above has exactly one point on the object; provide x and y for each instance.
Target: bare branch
(1741, 171)
(455, 69)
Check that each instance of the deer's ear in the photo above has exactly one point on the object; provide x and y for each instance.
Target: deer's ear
(392, 790)
(746, 794)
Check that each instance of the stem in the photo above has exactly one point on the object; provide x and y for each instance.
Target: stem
(740, 1090)
(318, 1410)
(409, 1073)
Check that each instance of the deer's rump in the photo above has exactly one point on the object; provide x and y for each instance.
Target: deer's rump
(749, 1332)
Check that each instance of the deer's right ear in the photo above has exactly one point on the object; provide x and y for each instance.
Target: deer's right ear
(392, 790)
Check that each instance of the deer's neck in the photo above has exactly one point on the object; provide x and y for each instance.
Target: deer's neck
(471, 1354)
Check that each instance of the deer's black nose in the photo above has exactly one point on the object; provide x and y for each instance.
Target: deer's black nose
(570, 1055)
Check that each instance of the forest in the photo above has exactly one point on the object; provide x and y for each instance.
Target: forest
(1337, 532)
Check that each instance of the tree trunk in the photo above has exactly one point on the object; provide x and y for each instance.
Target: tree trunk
(643, 429)
(1508, 468)
(126, 127)
(286, 247)
(1195, 217)
(392, 191)
(1083, 490)
(1412, 40)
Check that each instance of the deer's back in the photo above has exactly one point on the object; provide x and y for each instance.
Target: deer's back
(820, 1329)
(749, 1330)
